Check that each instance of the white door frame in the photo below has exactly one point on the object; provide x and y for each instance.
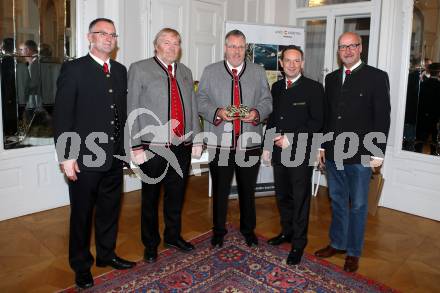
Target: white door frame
(194, 38)
(333, 12)
(412, 180)
(339, 29)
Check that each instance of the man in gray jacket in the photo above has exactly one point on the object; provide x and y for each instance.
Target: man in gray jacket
(237, 146)
(161, 97)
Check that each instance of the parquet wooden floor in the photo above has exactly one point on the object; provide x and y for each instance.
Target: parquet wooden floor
(401, 250)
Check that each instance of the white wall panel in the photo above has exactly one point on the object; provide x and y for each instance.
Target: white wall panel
(252, 11)
(203, 56)
(173, 14)
(282, 11)
(43, 175)
(30, 182)
(235, 10)
(87, 10)
(206, 34)
(135, 31)
(10, 179)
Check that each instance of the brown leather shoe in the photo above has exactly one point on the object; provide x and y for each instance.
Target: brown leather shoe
(351, 264)
(328, 251)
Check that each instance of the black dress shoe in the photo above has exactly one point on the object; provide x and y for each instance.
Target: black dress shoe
(180, 244)
(294, 256)
(251, 240)
(84, 280)
(217, 240)
(116, 263)
(280, 239)
(150, 255)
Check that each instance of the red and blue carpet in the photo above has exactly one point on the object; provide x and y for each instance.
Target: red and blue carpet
(233, 268)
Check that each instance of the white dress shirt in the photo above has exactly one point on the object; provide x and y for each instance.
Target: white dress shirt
(100, 61)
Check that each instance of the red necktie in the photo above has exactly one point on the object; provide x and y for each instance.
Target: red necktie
(176, 105)
(347, 72)
(106, 71)
(236, 101)
(289, 84)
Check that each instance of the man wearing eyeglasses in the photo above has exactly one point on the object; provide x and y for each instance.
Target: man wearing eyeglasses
(234, 82)
(357, 101)
(91, 103)
(165, 87)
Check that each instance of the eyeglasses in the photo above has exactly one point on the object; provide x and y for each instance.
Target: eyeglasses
(104, 34)
(234, 47)
(351, 47)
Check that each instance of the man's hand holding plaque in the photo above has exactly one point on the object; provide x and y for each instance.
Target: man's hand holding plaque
(242, 112)
(239, 112)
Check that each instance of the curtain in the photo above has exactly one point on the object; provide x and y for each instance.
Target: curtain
(314, 51)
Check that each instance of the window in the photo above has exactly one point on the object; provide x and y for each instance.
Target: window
(314, 3)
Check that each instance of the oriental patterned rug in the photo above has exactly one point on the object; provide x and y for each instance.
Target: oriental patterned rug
(233, 268)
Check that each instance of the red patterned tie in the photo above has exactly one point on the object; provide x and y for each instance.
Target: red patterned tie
(289, 84)
(176, 104)
(236, 101)
(106, 71)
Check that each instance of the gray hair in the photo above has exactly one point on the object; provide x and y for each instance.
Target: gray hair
(164, 31)
(235, 33)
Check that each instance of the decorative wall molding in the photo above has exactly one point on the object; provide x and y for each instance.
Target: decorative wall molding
(270, 11)
(411, 179)
(251, 10)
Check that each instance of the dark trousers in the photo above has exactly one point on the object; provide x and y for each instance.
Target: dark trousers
(293, 192)
(246, 177)
(101, 191)
(174, 191)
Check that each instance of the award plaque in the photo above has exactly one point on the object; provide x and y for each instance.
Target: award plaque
(237, 112)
